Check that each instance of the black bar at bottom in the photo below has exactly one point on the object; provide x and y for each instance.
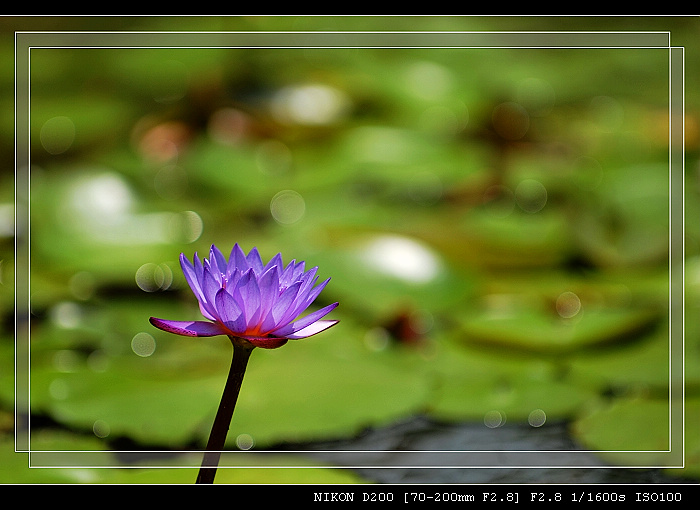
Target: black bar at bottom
(485, 495)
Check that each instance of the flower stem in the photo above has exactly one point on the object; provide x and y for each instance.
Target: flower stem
(217, 436)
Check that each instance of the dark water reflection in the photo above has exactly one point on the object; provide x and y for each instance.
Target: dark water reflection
(388, 445)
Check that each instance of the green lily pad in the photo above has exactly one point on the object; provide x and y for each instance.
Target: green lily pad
(637, 425)
(335, 387)
(169, 395)
(260, 469)
(471, 384)
(75, 123)
(7, 371)
(123, 401)
(516, 240)
(378, 274)
(14, 467)
(626, 225)
(410, 156)
(641, 367)
(512, 401)
(531, 329)
(85, 214)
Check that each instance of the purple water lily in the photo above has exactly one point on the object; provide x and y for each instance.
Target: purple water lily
(246, 299)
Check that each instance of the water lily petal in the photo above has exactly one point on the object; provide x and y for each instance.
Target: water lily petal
(291, 273)
(313, 293)
(206, 313)
(230, 313)
(217, 261)
(237, 260)
(304, 298)
(300, 324)
(247, 295)
(198, 268)
(243, 297)
(267, 342)
(275, 261)
(255, 261)
(210, 286)
(280, 308)
(290, 311)
(269, 291)
(311, 330)
(190, 276)
(189, 328)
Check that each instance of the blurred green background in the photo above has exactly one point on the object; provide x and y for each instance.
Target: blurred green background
(494, 223)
